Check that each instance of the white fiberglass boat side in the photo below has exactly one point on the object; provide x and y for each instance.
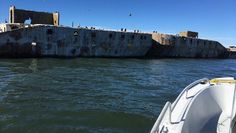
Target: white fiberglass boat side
(205, 106)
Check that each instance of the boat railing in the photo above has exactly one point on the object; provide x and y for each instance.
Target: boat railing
(166, 108)
(233, 111)
(185, 91)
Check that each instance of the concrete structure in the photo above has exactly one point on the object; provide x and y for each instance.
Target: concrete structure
(5, 27)
(53, 41)
(20, 16)
(189, 34)
(43, 38)
(43, 41)
(232, 52)
(185, 47)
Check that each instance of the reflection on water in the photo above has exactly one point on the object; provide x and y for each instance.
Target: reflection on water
(94, 95)
(34, 65)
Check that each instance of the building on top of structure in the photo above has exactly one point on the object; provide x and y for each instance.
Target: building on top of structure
(21, 16)
(9, 27)
(5, 27)
(189, 34)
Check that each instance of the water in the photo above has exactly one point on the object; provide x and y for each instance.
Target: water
(94, 95)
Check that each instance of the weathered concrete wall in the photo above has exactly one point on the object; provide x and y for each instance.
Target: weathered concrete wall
(182, 47)
(19, 16)
(189, 34)
(232, 53)
(54, 41)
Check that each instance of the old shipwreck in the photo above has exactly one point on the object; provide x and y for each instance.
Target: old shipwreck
(45, 37)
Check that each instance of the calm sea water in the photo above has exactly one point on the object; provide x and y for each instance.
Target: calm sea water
(94, 95)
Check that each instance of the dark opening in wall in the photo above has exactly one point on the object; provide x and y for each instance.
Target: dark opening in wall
(132, 37)
(110, 35)
(204, 43)
(14, 27)
(122, 36)
(49, 32)
(73, 51)
(144, 37)
(191, 41)
(141, 37)
(11, 16)
(93, 34)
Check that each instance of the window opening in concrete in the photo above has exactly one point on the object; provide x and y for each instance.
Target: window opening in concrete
(93, 34)
(191, 41)
(14, 27)
(49, 31)
(28, 21)
(122, 36)
(132, 37)
(144, 37)
(73, 51)
(110, 35)
(141, 37)
(11, 16)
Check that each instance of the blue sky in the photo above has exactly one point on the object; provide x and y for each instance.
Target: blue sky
(213, 19)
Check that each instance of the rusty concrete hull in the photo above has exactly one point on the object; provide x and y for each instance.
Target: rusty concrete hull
(52, 41)
(170, 46)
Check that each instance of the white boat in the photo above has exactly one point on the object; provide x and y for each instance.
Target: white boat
(205, 106)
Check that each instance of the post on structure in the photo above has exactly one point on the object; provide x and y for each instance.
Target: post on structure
(56, 18)
(12, 14)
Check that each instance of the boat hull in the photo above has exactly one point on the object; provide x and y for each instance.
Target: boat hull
(53, 41)
(205, 106)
